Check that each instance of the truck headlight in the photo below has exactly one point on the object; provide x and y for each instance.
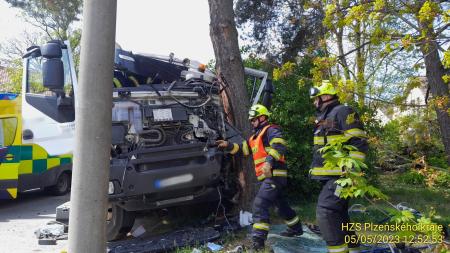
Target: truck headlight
(111, 188)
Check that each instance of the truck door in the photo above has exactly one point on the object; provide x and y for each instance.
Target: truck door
(48, 116)
(48, 119)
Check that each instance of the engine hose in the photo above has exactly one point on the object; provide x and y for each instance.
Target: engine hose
(148, 139)
(191, 106)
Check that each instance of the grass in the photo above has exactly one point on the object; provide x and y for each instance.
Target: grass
(419, 197)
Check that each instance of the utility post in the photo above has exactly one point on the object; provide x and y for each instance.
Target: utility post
(90, 176)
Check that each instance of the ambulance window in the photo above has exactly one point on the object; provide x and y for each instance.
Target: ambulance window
(8, 127)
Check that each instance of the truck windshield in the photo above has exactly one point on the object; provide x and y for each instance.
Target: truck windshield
(8, 127)
(35, 80)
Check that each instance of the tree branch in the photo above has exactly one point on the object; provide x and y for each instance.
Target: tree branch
(442, 29)
(405, 20)
(355, 49)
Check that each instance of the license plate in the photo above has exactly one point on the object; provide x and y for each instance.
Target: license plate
(162, 114)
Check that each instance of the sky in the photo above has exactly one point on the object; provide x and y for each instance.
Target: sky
(156, 26)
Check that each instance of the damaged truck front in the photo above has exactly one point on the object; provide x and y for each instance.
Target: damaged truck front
(167, 114)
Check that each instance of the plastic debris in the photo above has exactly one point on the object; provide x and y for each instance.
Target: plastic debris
(138, 231)
(245, 218)
(50, 231)
(195, 250)
(213, 247)
(237, 249)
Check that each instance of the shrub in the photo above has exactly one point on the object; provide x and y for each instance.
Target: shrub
(442, 179)
(412, 177)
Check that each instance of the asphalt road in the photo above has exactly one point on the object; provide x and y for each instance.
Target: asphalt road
(19, 219)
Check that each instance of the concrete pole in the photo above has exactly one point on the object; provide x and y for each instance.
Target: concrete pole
(88, 199)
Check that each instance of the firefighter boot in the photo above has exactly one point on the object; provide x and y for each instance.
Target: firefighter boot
(257, 245)
(289, 232)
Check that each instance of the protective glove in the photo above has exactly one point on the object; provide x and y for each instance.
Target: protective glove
(267, 170)
(222, 144)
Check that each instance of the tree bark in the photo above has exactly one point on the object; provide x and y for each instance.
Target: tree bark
(439, 89)
(229, 64)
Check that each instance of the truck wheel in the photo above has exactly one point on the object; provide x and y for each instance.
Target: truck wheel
(118, 222)
(62, 185)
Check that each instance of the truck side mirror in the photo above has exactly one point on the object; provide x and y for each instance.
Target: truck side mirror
(52, 67)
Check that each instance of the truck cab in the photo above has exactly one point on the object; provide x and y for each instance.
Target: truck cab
(167, 114)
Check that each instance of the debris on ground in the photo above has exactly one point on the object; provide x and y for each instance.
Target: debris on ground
(165, 242)
(213, 247)
(245, 218)
(237, 249)
(309, 242)
(195, 250)
(62, 212)
(138, 231)
(52, 231)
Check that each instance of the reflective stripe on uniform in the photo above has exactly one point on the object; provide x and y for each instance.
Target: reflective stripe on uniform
(117, 83)
(355, 132)
(293, 221)
(321, 171)
(338, 249)
(245, 149)
(331, 138)
(272, 152)
(261, 160)
(235, 149)
(261, 226)
(279, 173)
(319, 140)
(278, 140)
(357, 155)
(275, 173)
(134, 80)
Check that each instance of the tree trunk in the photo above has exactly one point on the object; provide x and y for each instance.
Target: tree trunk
(360, 65)
(434, 72)
(342, 59)
(291, 53)
(229, 64)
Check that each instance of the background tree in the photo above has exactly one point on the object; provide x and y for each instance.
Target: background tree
(229, 65)
(11, 53)
(399, 28)
(55, 19)
(280, 28)
(52, 17)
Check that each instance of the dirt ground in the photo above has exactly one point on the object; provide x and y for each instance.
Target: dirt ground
(21, 217)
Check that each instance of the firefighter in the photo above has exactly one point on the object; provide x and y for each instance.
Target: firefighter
(334, 120)
(268, 149)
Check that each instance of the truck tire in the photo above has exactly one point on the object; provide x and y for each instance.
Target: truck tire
(62, 185)
(118, 222)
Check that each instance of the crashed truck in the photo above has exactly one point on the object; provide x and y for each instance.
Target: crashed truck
(167, 114)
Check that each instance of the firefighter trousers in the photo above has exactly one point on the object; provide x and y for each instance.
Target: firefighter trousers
(332, 218)
(271, 193)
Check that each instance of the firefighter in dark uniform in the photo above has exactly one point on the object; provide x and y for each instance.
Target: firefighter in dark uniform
(268, 149)
(334, 120)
